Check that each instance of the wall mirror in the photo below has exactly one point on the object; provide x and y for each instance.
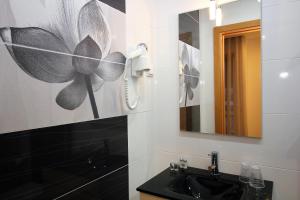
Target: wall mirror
(220, 86)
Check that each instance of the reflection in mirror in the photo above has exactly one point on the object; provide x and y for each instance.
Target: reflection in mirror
(189, 74)
(220, 70)
(238, 95)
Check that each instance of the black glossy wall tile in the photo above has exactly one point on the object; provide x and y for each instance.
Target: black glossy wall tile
(117, 4)
(189, 28)
(47, 163)
(111, 187)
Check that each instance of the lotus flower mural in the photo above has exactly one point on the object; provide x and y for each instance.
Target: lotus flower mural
(189, 74)
(75, 48)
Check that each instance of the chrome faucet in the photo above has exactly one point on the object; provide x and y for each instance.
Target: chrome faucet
(214, 168)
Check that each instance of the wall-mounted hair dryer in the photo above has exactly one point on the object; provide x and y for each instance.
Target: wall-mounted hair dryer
(136, 64)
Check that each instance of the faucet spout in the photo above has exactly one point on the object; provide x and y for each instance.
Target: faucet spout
(214, 168)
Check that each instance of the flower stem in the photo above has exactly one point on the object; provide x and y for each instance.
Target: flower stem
(186, 93)
(89, 88)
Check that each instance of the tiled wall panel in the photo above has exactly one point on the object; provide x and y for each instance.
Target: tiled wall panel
(77, 158)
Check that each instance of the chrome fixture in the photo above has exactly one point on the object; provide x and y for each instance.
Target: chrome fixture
(214, 168)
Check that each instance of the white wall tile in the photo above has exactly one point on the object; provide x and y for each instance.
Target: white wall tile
(286, 183)
(162, 42)
(166, 106)
(162, 159)
(139, 123)
(280, 94)
(139, 173)
(281, 29)
(274, 2)
(139, 136)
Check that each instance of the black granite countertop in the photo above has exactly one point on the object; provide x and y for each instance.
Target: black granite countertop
(158, 186)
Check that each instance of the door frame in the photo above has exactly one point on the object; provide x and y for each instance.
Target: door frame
(220, 34)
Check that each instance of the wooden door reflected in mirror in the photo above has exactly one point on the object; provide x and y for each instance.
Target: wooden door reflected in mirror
(238, 106)
(220, 84)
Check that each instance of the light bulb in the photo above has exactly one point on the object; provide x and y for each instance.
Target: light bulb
(219, 16)
(212, 9)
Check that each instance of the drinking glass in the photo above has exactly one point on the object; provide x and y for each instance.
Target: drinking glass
(245, 173)
(183, 163)
(174, 167)
(256, 178)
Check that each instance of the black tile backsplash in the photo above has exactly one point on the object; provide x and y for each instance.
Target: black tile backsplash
(111, 187)
(117, 4)
(50, 162)
(189, 28)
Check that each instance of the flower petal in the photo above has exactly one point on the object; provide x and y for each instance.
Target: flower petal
(38, 38)
(91, 22)
(57, 16)
(195, 72)
(63, 19)
(72, 96)
(112, 67)
(5, 34)
(185, 55)
(194, 79)
(97, 82)
(186, 73)
(41, 54)
(186, 70)
(190, 93)
(91, 56)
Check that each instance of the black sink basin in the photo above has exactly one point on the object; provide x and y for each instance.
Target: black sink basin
(205, 186)
(188, 184)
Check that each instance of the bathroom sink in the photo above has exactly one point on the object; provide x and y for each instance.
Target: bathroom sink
(175, 186)
(205, 186)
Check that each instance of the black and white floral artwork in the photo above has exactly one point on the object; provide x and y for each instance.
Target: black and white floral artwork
(189, 76)
(61, 62)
